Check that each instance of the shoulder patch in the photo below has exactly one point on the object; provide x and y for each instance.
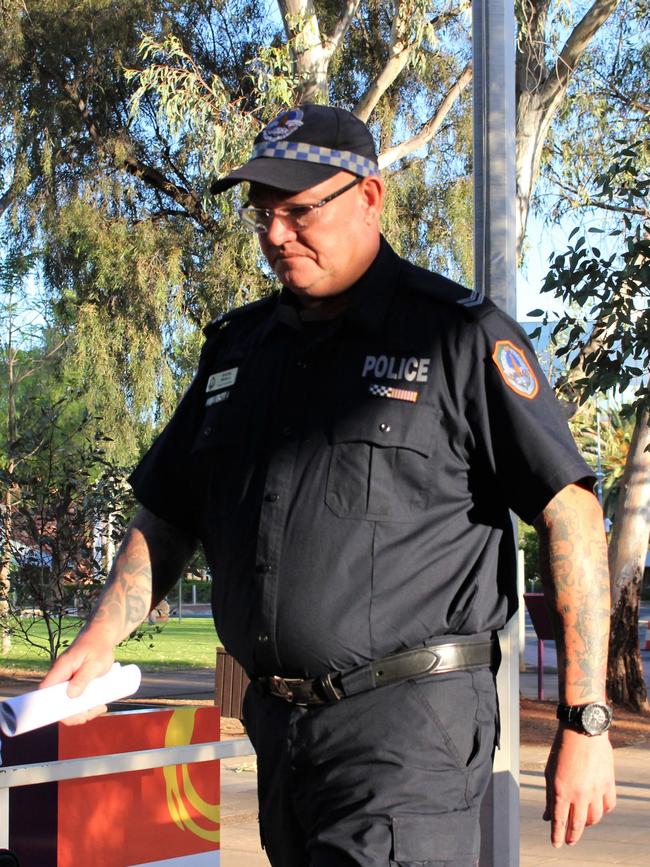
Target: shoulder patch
(254, 307)
(514, 368)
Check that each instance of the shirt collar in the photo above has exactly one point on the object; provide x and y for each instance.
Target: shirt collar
(370, 296)
(374, 291)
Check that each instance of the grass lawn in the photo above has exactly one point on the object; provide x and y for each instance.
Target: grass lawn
(188, 644)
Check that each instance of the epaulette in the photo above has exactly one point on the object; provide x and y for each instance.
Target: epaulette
(238, 312)
(447, 291)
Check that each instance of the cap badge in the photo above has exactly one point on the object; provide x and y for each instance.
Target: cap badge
(283, 125)
(514, 368)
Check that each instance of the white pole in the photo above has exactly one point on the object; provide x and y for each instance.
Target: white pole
(495, 269)
(4, 818)
(521, 589)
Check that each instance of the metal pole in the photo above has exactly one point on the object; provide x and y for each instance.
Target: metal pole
(495, 269)
(4, 818)
(521, 589)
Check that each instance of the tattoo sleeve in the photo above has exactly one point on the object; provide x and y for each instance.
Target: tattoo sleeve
(575, 575)
(148, 564)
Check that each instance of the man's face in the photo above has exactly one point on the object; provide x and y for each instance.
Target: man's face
(328, 256)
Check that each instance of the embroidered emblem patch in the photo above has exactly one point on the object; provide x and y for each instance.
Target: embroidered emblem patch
(222, 379)
(283, 125)
(394, 393)
(514, 368)
(217, 398)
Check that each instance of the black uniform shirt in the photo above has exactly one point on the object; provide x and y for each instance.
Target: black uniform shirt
(351, 480)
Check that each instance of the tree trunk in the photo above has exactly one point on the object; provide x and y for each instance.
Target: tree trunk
(310, 58)
(6, 536)
(534, 118)
(541, 89)
(5, 582)
(627, 554)
(5, 566)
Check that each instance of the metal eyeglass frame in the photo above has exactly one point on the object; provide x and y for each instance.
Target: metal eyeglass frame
(294, 216)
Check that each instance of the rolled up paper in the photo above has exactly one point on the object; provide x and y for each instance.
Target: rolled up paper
(24, 713)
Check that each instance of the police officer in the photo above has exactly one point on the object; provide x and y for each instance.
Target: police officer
(347, 455)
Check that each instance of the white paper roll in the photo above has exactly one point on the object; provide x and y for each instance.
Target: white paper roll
(29, 711)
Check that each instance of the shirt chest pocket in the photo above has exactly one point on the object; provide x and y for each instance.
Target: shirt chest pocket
(382, 464)
(221, 465)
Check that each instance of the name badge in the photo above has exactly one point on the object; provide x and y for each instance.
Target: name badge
(222, 379)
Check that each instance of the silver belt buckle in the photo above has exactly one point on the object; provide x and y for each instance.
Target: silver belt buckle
(328, 686)
(280, 688)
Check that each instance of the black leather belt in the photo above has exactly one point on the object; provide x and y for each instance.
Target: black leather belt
(419, 662)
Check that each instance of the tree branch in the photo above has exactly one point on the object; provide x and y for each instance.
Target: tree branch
(577, 43)
(588, 201)
(161, 214)
(334, 40)
(610, 88)
(399, 54)
(40, 361)
(6, 199)
(187, 199)
(431, 127)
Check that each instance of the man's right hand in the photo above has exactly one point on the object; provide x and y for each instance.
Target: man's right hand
(85, 659)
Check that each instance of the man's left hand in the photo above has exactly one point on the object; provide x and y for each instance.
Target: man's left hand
(580, 786)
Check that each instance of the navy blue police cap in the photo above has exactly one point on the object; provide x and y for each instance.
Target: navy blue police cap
(305, 146)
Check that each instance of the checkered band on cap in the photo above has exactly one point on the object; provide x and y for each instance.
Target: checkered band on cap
(296, 150)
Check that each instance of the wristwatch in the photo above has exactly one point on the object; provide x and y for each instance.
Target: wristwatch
(590, 719)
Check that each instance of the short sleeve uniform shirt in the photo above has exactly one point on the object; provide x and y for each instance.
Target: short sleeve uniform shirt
(351, 480)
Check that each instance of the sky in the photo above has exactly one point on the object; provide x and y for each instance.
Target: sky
(542, 240)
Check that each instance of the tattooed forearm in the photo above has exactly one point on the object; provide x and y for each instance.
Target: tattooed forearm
(575, 574)
(147, 565)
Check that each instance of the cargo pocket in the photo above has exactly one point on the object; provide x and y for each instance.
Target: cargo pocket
(449, 839)
(382, 461)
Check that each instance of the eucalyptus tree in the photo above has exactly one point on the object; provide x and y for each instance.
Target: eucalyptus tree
(115, 115)
(131, 253)
(605, 277)
(108, 142)
(13, 333)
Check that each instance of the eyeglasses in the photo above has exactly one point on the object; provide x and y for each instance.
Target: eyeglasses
(296, 217)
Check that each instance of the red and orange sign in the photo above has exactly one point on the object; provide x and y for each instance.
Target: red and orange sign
(140, 817)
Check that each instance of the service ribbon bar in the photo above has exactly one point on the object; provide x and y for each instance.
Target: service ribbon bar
(394, 393)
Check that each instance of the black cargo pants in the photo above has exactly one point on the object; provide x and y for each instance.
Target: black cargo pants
(392, 777)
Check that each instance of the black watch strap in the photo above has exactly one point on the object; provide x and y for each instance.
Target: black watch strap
(591, 719)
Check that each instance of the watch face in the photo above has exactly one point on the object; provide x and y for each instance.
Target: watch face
(596, 718)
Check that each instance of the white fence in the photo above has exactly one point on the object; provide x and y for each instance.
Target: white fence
(116, 763)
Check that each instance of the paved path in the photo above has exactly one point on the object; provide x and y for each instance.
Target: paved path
(622, 838)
